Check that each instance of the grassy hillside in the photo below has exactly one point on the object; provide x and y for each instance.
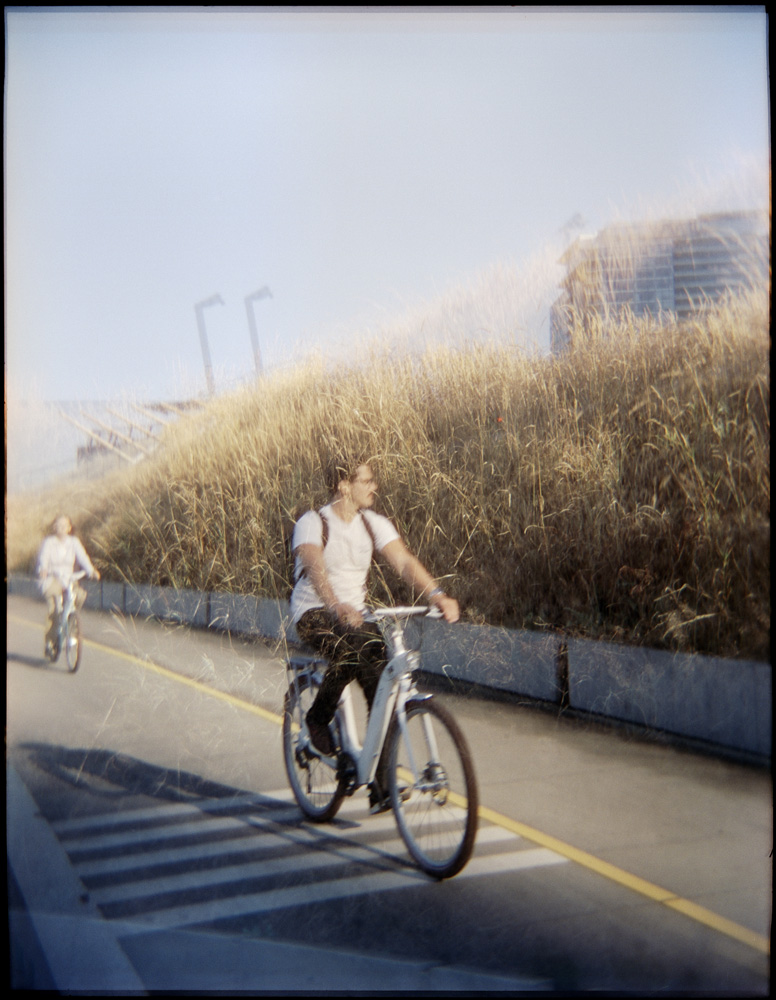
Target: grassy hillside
(621, 491)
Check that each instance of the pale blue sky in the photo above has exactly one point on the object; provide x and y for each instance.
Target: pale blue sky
(356, 162)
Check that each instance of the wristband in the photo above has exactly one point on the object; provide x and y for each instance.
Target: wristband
(436, 592)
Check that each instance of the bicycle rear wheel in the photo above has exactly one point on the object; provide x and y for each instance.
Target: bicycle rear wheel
(73, 642)
(433, 788)
(316, 785)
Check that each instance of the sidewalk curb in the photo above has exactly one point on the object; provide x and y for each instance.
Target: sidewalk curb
(79, 945)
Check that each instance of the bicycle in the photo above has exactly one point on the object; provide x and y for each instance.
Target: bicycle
(431, 780)
(69, 632)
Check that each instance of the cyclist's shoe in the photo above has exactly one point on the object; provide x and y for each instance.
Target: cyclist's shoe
(51, 652)
(378, 803)
(382, 803)
(320, 737)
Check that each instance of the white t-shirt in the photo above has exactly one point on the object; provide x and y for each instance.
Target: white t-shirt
(58, 556)
(347, 556)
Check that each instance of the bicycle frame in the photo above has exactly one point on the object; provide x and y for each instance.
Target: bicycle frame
(429, 778)
(66, 600)
(68, 603)
(395, 688)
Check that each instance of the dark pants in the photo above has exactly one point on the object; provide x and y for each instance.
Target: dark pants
(354, 654)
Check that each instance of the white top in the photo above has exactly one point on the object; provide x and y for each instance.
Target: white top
(347, 556)
(58, 556)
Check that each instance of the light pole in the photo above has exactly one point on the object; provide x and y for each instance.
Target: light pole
(213, 300)
(262, 293)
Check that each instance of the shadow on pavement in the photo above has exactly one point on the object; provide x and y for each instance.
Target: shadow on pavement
(93, 769)
(40, 662)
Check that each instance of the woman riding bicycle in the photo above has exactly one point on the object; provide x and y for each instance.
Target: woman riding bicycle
(57, 559)
(333, 549)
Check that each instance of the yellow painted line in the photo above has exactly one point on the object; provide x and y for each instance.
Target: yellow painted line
(648, 889)
(190, 682)
(645, 888)
(182, 678)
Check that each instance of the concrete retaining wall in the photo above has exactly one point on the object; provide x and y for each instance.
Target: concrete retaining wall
(720, 703)
(723, 702)
(520, 662)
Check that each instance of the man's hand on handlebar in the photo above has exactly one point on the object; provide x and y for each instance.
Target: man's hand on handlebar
(448, 606)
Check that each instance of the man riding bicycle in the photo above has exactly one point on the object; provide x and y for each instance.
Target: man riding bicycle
(57, 558)
(333, 551)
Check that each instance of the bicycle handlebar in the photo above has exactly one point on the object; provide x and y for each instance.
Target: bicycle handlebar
(375, 614)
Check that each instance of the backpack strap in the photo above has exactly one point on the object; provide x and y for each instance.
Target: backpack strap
(324, 529)
(370, 531)
(365, 521)
(325, 533)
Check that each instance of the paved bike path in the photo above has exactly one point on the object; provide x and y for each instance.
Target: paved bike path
(159, 957)
(65, 944)
(61, 926)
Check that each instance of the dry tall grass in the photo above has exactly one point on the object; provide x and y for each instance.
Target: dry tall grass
(621, 491)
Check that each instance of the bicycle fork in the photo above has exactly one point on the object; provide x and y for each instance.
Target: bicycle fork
(432, 763)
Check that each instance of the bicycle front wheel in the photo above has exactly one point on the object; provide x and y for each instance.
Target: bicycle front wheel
(73, 642)
(315, 783)
(433, 788)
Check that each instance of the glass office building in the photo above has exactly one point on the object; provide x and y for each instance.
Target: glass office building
(667, 270)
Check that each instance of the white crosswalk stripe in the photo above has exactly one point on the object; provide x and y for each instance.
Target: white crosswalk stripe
(71, 827)
(198, 862)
